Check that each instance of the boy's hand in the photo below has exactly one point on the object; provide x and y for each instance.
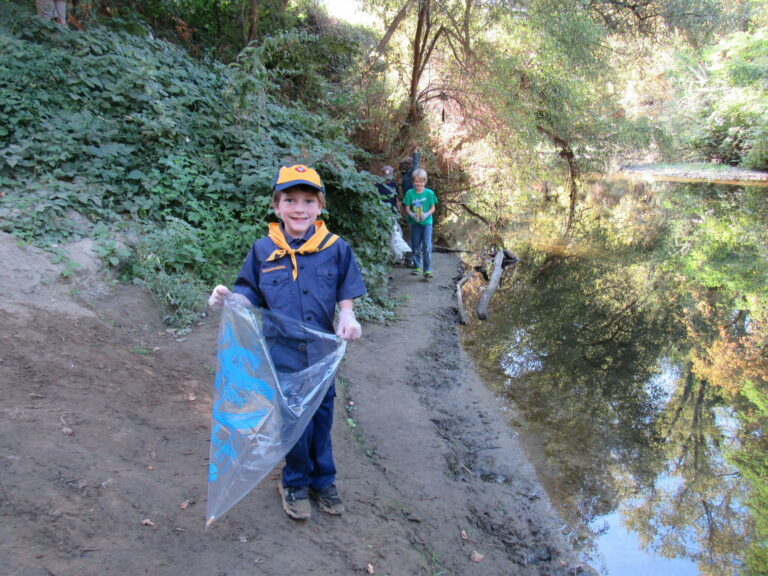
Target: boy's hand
(348, 328)
(218, 296)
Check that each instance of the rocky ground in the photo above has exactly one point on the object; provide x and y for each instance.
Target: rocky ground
(105, 429)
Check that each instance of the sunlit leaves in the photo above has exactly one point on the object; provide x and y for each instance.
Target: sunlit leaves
(730, 86)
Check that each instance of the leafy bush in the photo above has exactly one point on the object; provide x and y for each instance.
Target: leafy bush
(733, 135)
(104, 127)
(166, 263)
(733, 126)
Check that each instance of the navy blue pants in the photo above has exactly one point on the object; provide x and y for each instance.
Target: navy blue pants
(310, 461)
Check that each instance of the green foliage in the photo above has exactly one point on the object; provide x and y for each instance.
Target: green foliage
(752, 460)
(554, 91)
(104, 128)
(310, 67)
(699, 20)
(733, 126)
(742, 59)
(111, 252)
(166, 262)
(61, 256)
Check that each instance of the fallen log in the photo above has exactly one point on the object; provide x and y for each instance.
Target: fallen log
(509, 258)
(462, 312)
(493, 284)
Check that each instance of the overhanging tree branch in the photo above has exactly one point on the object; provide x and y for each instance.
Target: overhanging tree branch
(393, 26)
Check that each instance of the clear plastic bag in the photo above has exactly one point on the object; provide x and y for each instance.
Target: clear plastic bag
(272, 374)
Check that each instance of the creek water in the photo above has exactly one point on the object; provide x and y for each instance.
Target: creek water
(597, 350)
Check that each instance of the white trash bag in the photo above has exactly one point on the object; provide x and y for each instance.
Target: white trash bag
(397, 243)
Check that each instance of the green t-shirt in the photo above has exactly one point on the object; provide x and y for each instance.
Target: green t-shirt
(420, 204)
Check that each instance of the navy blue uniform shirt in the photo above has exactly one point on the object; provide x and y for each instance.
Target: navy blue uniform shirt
(389, 193)
(324, 278)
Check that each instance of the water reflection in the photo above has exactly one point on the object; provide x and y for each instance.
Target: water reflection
(612, 358)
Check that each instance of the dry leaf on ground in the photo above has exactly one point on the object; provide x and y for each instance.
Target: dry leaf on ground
(476, 556)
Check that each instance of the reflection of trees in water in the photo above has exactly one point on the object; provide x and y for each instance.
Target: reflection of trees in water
(609, 435)
(736, 362)
(594, 333)
(598, 333)
(751, 457)
(693, 506)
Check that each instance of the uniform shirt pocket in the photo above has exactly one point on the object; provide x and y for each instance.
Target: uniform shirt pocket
(327, 284)
(272, 281)
(327, 275)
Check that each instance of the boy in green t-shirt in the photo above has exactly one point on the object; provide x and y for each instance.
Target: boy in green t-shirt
(419, 203)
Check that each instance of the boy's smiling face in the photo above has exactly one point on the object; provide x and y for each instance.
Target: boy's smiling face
(298, 210)
(418, 184)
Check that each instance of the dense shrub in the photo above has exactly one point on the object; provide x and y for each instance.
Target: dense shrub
(735, 134)
(104, 127)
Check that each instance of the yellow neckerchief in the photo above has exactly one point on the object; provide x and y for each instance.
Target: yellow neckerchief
(320, 240)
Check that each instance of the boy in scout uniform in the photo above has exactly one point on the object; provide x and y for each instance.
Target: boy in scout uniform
(303, 271)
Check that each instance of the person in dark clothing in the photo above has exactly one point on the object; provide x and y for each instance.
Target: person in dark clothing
(407, 166)
(390, 195)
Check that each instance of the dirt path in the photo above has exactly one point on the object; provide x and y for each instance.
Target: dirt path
(104, 445)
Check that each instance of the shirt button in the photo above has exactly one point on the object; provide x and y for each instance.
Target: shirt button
(307, 317)
(305, 291)
(301, 267)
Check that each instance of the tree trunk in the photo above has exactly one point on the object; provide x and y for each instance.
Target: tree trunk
(253, 22)
(393, 26)
(423, 45)
(417, 63)
(566, 153)
(482, 305)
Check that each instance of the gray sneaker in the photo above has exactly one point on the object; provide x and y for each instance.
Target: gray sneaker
(328, 499)
(296, 501)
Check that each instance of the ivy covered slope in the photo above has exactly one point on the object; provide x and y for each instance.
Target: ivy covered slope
(167, 162)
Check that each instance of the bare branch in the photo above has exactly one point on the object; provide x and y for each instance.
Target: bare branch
(470, 211)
